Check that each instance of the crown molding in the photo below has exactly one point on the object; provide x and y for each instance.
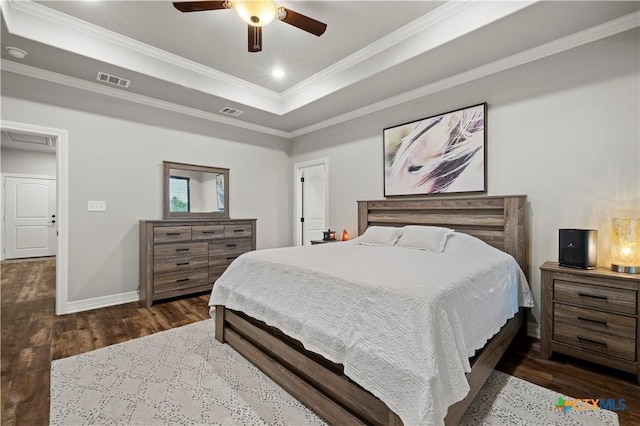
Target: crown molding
(590, 35)
(392, 39)
(29, 71)
(42, 12)
(365, 62)
(598, 32)
(442, 25)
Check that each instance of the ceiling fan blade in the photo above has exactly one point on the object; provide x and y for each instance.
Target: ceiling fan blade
(255, 38)
(300, 21)
(199, 6)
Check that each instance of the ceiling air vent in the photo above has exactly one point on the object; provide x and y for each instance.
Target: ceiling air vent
(231, 111)
(112, 79)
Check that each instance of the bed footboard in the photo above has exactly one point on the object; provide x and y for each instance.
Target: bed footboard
(322, 385)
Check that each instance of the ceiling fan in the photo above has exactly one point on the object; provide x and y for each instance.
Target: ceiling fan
(256, 14)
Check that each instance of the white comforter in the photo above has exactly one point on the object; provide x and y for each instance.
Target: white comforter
(403, 322)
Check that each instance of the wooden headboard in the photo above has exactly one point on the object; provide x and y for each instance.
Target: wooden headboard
(499, 221)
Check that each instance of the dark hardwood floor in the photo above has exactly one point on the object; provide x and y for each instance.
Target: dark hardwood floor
(32, 336)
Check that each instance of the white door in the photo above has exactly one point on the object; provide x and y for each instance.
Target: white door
(314, 207)
(30, 217)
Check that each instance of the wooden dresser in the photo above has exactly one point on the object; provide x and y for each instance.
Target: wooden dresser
(591, 315)
(179, 257)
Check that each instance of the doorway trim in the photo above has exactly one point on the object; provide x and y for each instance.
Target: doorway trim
(297, 193)
(62, 201)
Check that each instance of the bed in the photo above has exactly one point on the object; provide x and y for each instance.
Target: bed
(320, 374)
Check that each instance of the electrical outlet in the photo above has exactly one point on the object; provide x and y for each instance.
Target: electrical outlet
(97, 206)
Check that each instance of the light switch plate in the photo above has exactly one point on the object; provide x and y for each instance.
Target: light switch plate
(97, 206)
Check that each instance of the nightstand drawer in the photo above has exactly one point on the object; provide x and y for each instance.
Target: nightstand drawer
(589, 319)
(594, 341)
(595, 296)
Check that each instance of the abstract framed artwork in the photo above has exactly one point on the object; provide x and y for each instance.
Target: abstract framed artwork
(445, 153)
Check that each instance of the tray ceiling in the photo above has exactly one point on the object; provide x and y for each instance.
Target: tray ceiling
(374, 54)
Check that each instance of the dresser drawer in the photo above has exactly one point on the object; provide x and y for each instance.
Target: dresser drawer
(179, 256)
(235, 231)
(595, 341)
(207, 232)
(215, 272)
(589, 319)
(180, 280)
(223, 260)
(230, 246)
(175, 265)
(612, 299)
(179, 250)
(167, 234)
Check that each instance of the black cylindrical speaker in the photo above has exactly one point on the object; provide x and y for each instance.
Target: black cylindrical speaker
(578, 248)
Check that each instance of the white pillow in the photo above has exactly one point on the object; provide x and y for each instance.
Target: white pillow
(430, 238)
(379, 236)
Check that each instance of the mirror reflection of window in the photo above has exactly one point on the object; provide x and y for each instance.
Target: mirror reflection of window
(179, 195)
(220, 191)
(195, 191)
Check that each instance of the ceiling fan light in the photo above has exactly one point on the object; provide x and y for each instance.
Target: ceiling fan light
(255, 13)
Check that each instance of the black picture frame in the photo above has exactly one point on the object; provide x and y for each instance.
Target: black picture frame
(440, 154)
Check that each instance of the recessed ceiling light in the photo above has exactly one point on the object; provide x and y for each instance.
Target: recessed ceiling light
(278, 73)
(16, 53)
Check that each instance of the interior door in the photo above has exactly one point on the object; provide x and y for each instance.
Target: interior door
(30, 217)
(313, 203)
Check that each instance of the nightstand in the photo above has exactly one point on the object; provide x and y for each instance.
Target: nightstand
(591, 315)
(314, 242)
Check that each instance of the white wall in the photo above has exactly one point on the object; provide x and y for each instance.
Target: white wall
(28, 162)
(115, 154)
(564, 131)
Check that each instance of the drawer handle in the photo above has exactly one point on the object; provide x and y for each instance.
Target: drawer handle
(597, 321)
(231, 245)
(182, 280)
(232, 257)
(208, 232)
(182, 263)
(593, 296)
(597, 342)
(173, 233)
(238, 230)
(182, 249)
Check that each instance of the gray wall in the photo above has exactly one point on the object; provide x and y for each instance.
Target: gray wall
(115, 154)
(28, 162)
(564, 131)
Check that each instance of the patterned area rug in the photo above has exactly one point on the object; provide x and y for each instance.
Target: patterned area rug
(184, 376)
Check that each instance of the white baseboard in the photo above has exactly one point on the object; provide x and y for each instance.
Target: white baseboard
(102, 302)
(533, 330)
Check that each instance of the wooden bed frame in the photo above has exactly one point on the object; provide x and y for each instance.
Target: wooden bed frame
(320, 384)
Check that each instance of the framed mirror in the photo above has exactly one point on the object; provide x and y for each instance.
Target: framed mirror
(192, 191)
